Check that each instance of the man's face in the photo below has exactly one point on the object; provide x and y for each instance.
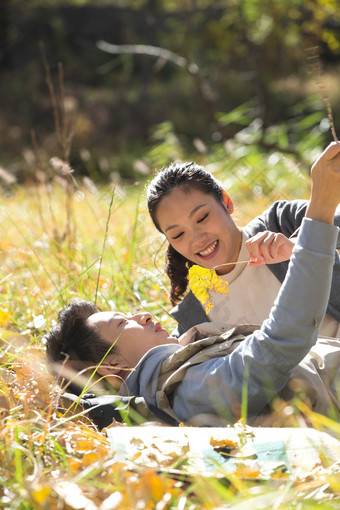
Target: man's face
(132, 335)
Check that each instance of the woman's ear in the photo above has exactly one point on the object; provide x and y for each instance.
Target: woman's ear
(228, 202)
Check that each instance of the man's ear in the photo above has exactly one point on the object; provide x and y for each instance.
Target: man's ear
(114, 369)
(228, 202)
(74, 372)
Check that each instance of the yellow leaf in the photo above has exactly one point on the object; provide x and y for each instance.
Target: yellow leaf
(247, 472)
(91, 457)
(5, 317)
(75, 464)
(222, 443)
(202, 280)
(155, 484)
(41, 492)
(84, 445)
(280, 474)
(136, 455)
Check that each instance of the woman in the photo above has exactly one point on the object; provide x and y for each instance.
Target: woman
(189, 206)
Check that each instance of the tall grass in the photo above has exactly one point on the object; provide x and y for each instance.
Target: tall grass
(55, 460)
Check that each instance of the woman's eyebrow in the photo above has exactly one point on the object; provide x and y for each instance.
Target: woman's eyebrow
(170, 227)
(195, 209)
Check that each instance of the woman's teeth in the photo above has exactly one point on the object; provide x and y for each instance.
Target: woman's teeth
(208, 251)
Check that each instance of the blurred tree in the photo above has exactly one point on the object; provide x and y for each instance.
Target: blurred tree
(4, 33)
(248, 52)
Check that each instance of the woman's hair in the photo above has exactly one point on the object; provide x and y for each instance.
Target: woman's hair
(73, 339)
(186, 176)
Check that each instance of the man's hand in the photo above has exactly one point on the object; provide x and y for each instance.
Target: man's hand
(268, 248)
(325, 192)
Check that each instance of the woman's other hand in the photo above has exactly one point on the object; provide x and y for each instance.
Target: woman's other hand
(269, 248)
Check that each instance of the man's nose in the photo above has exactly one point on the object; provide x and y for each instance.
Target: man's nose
(143, 317)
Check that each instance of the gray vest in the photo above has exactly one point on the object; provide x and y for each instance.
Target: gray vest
(315, 376)
(174, 368)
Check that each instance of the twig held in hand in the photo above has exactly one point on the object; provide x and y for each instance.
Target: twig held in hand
(233, 263)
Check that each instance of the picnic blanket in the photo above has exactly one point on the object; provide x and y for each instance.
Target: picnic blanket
(222, 451)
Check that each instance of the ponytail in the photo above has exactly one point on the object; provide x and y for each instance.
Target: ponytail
(176, 267)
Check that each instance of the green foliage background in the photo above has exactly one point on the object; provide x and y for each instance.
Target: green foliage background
(243, 80)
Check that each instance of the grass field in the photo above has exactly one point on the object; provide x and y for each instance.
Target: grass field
(59, 242)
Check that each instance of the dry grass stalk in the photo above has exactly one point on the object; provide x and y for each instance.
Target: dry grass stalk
(64, 132)
(313, 59)
(104, 243)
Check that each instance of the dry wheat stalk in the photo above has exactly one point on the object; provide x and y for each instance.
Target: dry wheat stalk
(316, 66)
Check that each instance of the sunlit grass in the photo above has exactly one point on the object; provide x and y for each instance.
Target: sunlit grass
(46, 270)
(50, 459)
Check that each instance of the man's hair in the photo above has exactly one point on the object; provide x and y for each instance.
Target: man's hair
(73, 339)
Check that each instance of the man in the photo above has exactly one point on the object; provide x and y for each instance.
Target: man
(213, 370)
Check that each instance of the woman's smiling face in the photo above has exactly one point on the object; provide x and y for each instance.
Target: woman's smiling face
(199, 227)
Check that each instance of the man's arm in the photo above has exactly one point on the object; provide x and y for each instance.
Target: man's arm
(269, 355)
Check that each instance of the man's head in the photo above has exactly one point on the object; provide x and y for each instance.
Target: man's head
(85, 338)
